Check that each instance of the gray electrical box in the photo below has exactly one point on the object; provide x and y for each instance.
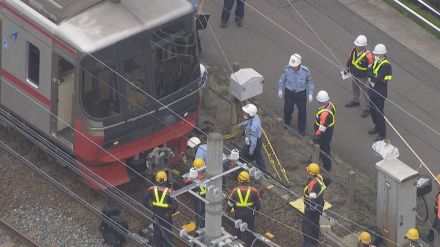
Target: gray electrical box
(396, 199)
(245, 84)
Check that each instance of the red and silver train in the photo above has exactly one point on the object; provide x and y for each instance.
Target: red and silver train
(99, 77)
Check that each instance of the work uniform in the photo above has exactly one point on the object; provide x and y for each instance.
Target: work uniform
(358, 64)
(436, 224)
(297, 85)
(324, 124)
(202, 152)
(227, 8)
(380, 75)
(314, 205)
(245, 200)
(200, 205)
(252, 148)
(158, 199)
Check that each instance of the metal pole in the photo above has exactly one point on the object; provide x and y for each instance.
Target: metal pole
(213, 210)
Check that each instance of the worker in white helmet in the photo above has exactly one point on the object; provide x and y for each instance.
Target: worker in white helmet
(358, 63)
(200, 149)
(380, 75)
(324, 124)
(252, 148)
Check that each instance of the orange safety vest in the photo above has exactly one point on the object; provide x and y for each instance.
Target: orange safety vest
(322, 114)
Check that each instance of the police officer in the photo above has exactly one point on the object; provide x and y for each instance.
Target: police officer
(200, 150)
(245, 200)
(314, 205)
(324, 122)
(158, 199)
(358, 63)
(252, 148)
(380, 75)
(413, 236)
(199, 172)
(365, 240)
(239, 12)
(298, 88)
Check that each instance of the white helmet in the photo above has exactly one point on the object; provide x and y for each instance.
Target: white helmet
(361, 40)
(295, 60)
(380, 49)
(322, 96)
(250, 109)
(193, 142)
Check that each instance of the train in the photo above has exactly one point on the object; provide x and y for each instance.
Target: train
(105, 80)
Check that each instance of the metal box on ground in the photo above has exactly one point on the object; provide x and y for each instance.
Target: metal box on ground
(396, 199)
(245, 84)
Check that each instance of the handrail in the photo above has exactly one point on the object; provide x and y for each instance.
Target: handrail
(429, 7)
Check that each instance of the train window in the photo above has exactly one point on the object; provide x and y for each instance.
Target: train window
(99, 92)
(33, 68)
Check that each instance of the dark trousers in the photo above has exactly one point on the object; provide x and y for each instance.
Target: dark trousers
(300, 100)
(376, 109)
(227, 7)
(258, 156)
(200, 217)
(248, 216)
(324, 144)
(162, 237)
(310, 228)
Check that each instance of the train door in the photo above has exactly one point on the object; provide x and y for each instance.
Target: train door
(62, 93)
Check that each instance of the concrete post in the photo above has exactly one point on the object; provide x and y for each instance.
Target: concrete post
(213, 210)
(352, 185)
(279, 132)
(315, 153)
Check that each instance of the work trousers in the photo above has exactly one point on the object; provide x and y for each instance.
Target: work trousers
(258, 156)
(200, 217)
(162, 237)
(300, 100)
(377, 114)
(246, 215)
(359, 85)
(227, 8)
(324, 144)
(310, 228)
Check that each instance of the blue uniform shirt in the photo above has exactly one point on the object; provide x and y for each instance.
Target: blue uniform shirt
(296, 81)
(194, 3)
(253, 131)
(201, 152)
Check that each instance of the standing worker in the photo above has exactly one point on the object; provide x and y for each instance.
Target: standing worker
(252, 148)
(436, 225)
(199, 172)
(158, 200)
(324, 122)
(380, 75)
(414, 237)
(245, 200)
(358, 63)
(365, 240)
(200, 150)
(239, 12)
(298, 88)
(313, 205)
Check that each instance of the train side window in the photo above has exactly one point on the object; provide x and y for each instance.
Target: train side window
(33, 68)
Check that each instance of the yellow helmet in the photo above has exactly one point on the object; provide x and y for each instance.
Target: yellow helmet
(244, 176)
(161, 176)
(412, 234)
(313, 169)
(198, 163)
(364, 238)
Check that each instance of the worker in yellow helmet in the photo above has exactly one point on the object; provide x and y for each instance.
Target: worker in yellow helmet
(158, 200)
(198, 171)
(414, 237)
(365, 240)
(313, 203)
(244, 199)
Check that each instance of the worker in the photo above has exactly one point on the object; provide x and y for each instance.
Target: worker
(313, 204)
(198, 171)
(413, 237)
(436, 225)
(244, 200)
(158, 200)
(297, 83)
(358, 63)
(380, 75)
(200, 149)
(324, 124)
(239, 12)
(365, 240)
(252, 148)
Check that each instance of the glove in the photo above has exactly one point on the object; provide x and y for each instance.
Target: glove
(280, 93)
(310, 98)
(193, 173)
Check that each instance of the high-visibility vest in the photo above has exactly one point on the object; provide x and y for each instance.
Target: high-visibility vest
(202, 191)
(331, 109)
(356, 61)
(160, 202)
(437, 203)
(312, 183)
(241, 202)
(376, 67)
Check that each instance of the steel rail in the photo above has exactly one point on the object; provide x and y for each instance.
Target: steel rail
(17, 235)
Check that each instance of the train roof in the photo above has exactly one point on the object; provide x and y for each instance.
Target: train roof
(90, 25)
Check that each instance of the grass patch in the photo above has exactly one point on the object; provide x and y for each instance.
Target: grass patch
(419, 10)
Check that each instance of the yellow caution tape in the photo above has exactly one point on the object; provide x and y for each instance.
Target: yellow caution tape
(299, 204)
(269, 235)
(273, 157)
(270, 186)
(232, 135)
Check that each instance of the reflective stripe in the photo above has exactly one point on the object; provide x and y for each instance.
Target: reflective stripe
(309, 187)
(202, 190)
(356, 61)
(437, 205)
(377, 66)
(332, 112)
(244, 203)
(157, 202)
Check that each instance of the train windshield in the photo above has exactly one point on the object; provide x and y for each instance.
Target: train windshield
(126, 76)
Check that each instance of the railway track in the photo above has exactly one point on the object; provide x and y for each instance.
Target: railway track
(17, 238)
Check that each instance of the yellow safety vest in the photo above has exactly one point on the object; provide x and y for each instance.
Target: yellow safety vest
(160, 203)
(355, 61)
(244, 203)
(318, 179)
(376, 67)
(202, 190)
(332, 112)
